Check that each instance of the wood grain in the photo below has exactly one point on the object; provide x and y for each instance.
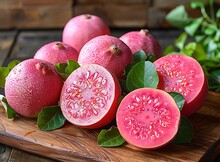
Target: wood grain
(75, 144)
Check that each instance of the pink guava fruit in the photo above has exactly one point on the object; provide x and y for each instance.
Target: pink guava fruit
(80, 29)
(148, 118)
(56, 52)
(32, 85)
(142, 40)
(107, 51)
(184, 75)
(89, 97)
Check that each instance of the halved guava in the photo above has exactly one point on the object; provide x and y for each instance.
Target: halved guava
(148, 118)
(89, 97)
(183, 74)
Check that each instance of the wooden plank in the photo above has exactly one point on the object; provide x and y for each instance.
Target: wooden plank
(18, 155)
(48, 16)
(28, 42)
(47, 2)
(5, 152)
(75, 144)
(6, 41)
(9, 3)
(116, 15)
(111, 2)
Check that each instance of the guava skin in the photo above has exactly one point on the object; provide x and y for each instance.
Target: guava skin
(89, 97)
(82, 28)
(142, 40)
(148, 118)
(184, 75)
(32, 85)
(107, 51)
(56, 52)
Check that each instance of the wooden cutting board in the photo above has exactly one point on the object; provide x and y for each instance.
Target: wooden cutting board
(74, 144)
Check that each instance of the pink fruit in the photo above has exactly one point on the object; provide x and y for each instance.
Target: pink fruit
(56, 52)
(148, 118)
(82, 28)
(142, 40)
(183, 74)
(32, 85)
(89, 97)
(107, 51)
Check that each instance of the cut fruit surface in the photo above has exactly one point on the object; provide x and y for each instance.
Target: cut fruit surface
(184, 75)
(148, 118)
(89, 96)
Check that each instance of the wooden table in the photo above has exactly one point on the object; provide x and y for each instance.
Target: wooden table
(21, 45)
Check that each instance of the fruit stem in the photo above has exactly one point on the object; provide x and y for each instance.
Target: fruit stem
(43, 67)
(115, 50)
(88, 16)
(59, 46)
(144, 31)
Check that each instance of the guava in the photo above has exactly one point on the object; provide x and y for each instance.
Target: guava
(32, 85)
(184, 75)
(89, 97)
(56, 52)
(142, 40)
(148, 118)
(107, 51)
(80, 29)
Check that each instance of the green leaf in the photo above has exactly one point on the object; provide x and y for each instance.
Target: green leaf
(196, 4)
(142, 56)
(216, 75)
(50, 118)
(110, 137)
(218, 13)
(185, 133)
(169, 49)
(65, 69)
(217, 36)
(210, 30)
(123, 86)
(178, 17)
(12, 64)
(199, 38)
(128, 68)
(181, 40)
(150, 57)
(4, 71)
(179, 99)
(212, 46)
(199, 53)
(9, 111)
(72, 65)
(189, 48)
(142, 74)
(192, 28)
(139, 56)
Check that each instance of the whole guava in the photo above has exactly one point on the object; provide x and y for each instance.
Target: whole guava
(32, 85)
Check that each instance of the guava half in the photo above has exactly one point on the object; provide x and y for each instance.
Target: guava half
(183, 74)
(148, 118)
(89, 97)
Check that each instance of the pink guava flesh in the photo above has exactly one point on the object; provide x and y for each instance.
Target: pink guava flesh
(183, 74)
(142, 40)
(32, 85)
(148, 118)
(107, 51)
(80, 29)
(89, 97)
(56, 52)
